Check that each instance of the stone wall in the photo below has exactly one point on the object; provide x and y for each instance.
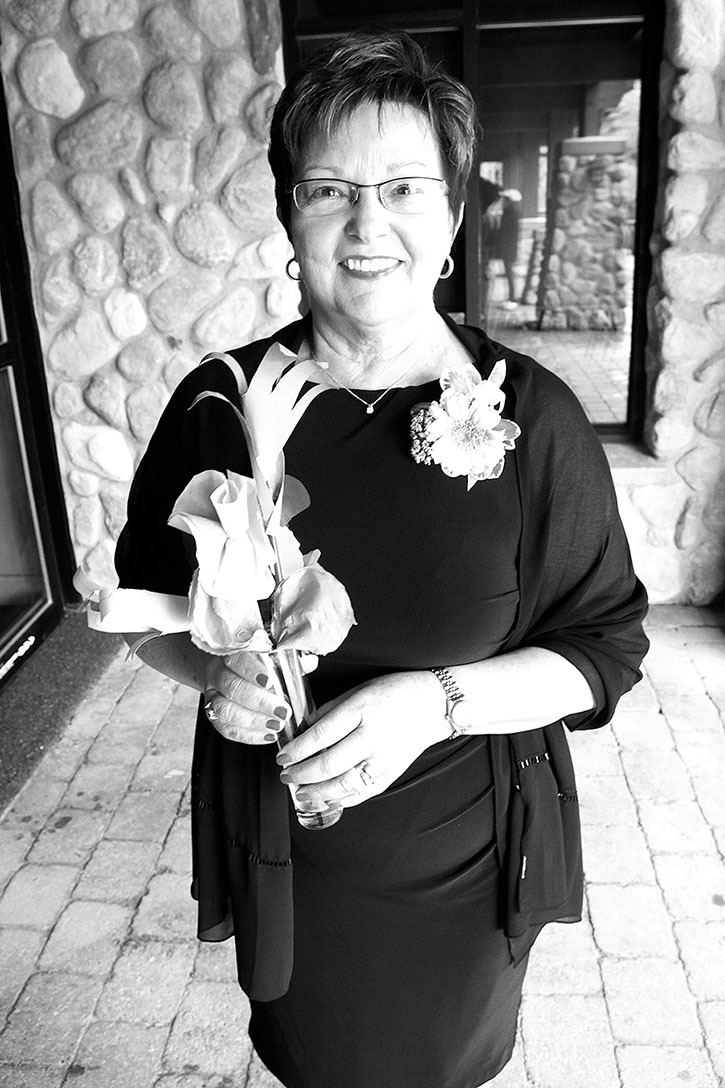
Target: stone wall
(139, 133)
(673, 503)
(678, 523)
(138, 130)
(588, 264)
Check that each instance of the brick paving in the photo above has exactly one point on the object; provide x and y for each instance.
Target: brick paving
(103, 985)
(595, 364)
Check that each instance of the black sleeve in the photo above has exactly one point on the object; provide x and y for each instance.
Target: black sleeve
(582, 597)
(150, 554)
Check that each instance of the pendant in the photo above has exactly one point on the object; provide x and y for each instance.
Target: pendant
(370, 409)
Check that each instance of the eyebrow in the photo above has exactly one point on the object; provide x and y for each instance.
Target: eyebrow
(393, 166)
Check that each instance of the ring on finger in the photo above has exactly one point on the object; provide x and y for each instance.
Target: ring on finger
(365, 776)
(210, 711)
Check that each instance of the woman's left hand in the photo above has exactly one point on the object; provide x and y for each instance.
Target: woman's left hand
(379, 728)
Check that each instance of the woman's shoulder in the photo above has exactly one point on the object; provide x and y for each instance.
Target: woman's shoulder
(532, 380)
(552, 417)
(536, 388)
(548, 412)
(547, 396)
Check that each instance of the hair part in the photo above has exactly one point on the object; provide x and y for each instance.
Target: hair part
(364, 68)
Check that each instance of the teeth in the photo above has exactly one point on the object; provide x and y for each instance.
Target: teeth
(369, 264)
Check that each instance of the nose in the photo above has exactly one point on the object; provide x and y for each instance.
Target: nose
(368, 219)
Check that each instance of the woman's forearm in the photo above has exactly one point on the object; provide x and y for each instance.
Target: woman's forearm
(524, 689)
(521, 690)
(175, 656)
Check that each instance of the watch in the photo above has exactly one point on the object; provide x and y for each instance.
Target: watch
(458, 707)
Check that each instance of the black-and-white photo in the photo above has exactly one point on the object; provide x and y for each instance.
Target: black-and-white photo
(362, 547)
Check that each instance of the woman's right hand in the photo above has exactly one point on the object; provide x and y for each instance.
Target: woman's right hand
(239, 699)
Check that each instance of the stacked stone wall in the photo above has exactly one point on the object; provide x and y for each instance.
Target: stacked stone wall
(680, 521)
(139, 132)
(587, 283)
(673, 505)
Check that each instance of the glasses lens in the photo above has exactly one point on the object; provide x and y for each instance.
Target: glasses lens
(323, 197)
(411, 195)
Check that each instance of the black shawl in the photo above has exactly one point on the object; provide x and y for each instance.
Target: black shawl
(578, 597)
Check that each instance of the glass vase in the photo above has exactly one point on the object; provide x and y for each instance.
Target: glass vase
(291, 683)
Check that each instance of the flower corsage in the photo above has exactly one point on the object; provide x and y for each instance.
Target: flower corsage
(464, 431)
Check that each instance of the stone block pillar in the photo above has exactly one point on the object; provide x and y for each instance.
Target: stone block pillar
(588, 262)
(685, 429)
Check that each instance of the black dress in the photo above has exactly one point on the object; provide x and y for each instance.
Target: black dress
(402, 975)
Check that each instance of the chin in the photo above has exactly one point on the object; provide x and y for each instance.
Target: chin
(381, 309)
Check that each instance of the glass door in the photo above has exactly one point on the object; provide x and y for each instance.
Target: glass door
(560, 105)
(25, 592)
(553, 259)
(36, 559)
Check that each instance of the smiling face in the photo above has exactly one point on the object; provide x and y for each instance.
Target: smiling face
(364, 266)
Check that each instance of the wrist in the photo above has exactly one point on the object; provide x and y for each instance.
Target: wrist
(430, 702)
(458, 711)
(438, 703)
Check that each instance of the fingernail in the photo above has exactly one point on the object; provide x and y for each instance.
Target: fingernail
(285, 778)
(262, 679)
(283, 760)
(282, 711)
(302, 796)
(273, 723)
(270, 736)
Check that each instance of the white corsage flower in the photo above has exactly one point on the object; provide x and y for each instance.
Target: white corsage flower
(464, 432)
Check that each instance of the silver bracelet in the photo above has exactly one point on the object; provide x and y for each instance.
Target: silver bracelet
(454, 696)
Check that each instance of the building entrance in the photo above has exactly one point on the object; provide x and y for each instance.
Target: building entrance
(35, 550)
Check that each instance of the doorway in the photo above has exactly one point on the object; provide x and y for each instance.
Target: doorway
(553, 259)
(35, 550)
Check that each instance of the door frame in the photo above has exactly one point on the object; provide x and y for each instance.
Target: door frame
(469, 19)
(22, 353)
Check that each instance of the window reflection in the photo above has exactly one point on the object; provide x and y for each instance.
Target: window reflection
(557, 195)
(24, 590)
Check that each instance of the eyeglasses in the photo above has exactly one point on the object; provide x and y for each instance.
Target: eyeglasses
(326, 196)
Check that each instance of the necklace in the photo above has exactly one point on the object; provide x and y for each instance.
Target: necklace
(369, 405)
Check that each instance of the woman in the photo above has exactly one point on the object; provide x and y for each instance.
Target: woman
(508, 240)
(396, 956)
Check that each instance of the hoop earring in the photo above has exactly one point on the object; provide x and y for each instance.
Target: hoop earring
(448, 271)
(288, 266)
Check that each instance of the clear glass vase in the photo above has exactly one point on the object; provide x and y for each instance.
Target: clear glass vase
(291, 682)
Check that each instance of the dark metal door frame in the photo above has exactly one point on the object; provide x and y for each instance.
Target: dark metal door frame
(470, 18)
(22, 354)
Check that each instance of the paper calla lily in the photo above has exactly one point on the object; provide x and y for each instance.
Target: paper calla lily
(244, 547)
(311, 611)
(245, 551)
(221, 625)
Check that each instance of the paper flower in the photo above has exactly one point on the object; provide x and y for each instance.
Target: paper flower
(252, 589)
(245, 550)
(311, 611)
(464, 432)
(240, 564)
(223, 515)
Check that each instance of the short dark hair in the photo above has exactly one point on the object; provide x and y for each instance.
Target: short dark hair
(372, 67)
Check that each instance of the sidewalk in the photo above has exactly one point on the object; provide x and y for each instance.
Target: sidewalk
(102, 984)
